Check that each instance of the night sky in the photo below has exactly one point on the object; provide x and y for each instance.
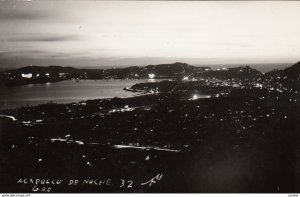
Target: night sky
(122, 33)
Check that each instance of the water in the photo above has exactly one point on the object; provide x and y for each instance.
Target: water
(64, 92)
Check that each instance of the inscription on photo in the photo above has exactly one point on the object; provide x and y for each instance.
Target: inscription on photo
(43, 185)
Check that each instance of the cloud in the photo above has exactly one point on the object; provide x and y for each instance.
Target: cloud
(20, 11)
(40, 55)
(4, 54)
(43, 38)
(11, 15)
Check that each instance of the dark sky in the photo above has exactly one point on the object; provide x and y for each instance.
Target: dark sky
(102, 33)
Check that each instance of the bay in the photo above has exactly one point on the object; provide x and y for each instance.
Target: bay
(65, 92)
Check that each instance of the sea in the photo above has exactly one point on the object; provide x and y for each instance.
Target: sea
(65, 92)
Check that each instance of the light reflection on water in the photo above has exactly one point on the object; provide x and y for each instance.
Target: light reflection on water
(64, 92)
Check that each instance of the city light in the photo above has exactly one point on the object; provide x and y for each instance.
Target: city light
(151, 76)
(27, 75)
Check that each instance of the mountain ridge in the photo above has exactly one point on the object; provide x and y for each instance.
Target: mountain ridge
(177, 70)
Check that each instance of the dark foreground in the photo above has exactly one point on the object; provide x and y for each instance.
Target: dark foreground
(239, 140)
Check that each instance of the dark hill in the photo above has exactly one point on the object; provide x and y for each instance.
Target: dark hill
(177, 68)
(293, 71)
(48, 69)
(242, 72)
